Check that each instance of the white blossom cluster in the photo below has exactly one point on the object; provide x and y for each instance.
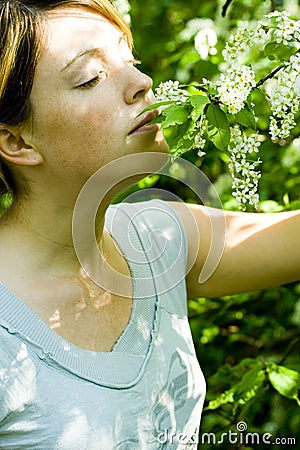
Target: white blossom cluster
(275, 27)
(245, 37)
(170, 91)
(286, 31)
(234, 86)
(284, 97)
(244, 172)
(238, 44)
(283, 90)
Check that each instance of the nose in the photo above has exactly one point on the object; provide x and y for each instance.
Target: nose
(137, 86)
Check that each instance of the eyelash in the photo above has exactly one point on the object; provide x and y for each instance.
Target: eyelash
(94, 81)
(90, 83)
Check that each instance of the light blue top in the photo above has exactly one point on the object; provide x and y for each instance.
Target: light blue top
(146, 394)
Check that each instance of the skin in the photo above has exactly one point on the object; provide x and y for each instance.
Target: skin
(84, 113)
(261, 251)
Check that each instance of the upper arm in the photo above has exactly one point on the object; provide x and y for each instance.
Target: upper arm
(239, 252)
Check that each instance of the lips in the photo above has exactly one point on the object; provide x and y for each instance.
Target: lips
(145, 123)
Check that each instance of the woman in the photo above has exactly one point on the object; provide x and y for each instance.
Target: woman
(83, 366)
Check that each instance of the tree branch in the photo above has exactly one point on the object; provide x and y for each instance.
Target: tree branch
(268, 77)
(225, 7)
(273, 73)
(289, 350)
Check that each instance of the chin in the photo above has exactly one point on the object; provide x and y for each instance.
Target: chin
(162, 143)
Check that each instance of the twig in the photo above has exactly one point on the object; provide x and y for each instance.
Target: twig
(243, 338)
(225, 7)
(289, 350)
(273, 73)
(292, 334)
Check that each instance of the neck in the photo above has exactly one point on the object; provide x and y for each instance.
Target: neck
(42, 226)
(41, 222)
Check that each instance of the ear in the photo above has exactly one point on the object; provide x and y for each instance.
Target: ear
(14, 149)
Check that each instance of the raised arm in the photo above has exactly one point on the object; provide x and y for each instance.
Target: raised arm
(259, 251)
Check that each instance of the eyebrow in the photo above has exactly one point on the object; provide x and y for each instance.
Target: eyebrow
(92, 52)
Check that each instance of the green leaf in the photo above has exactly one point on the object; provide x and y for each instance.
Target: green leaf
(294, 205)
(246, 389)
(270, 48)
(148, 182)
(174, 115)
(243, 391)
(198, 102)
(275, 50)
(218, 127)
(156, 106)
(180, 137)
(246, 118)
(285, 381)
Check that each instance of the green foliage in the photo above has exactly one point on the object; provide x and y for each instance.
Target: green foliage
(248, 345)
(5, 201)
(218, 127)
(246, 118)
(285, 381)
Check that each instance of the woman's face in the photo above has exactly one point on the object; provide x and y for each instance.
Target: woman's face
(86, 96)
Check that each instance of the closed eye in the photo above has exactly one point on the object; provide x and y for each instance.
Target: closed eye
(92, 82)
(89, 83)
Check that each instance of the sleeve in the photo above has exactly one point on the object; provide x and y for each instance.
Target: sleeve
(155, 229)
(17, 375)
(6, 362)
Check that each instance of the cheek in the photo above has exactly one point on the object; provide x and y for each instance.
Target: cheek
(73, 126)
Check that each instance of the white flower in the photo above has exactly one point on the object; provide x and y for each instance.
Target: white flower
(170, 90)
(234, 86)
(205, 42)
(244, 172)
(284, 99)
(200, 140)
(253, 198)
(259, 36)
